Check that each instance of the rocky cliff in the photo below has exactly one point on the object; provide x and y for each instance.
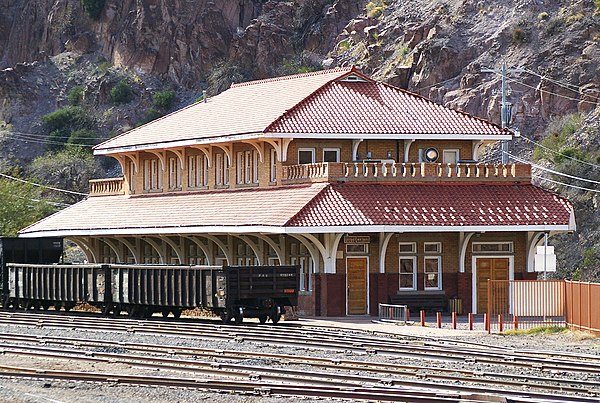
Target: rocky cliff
(447, 50)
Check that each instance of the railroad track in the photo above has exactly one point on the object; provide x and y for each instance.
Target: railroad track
(331, 340)
(384, 381)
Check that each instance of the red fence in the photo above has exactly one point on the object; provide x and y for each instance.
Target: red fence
(583, 306)
(519, 304)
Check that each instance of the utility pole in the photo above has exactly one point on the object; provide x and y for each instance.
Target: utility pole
(506, 107)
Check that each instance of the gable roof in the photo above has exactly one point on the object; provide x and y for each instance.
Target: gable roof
(318, 208)
(317, 104)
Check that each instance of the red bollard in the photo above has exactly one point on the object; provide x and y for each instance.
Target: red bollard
(407, 314)
(439, 320)
(470, 321)
(486, 323)
(500, 324)
(516, 322)
(422, 318)
(454, 320)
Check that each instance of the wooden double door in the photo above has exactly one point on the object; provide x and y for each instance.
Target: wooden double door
(357, 272)
(489, 269)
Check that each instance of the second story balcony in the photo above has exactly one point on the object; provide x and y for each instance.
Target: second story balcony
(357, 172)
(404, 172)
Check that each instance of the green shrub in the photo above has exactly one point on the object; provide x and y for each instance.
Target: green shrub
(75, 95)
(164, 99)
(555, 25)
(121, 93)
(93, 8)
(103, 65)
(557, 134)
(374, 9)
(69, 117)
(519, 36)
(597, 4)
(543, 16)
(344, 45)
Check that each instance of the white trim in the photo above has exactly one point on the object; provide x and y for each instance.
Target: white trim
(511, 275)
(412, 252)
(456, 152)
(384, 240)
(510, 243)
(259, 135)
(534, 239)
(292, 230)
(415, 270)
(368, 285)
(435, 252)
(464, 242)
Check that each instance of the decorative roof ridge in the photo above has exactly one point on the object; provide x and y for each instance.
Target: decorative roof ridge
(468, 115)
(348, 71)
(295, 76)
(328, 186)
(442, 183)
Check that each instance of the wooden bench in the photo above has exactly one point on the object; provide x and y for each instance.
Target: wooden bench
(421, 300)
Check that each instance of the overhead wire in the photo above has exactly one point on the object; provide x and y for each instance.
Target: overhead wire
(559, 153)
(42, 141)
(566, 184)
(568, 86)
(42, 186)
(552, 170)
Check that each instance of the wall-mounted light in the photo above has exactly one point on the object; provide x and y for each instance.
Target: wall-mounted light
(389, 154)
(369, 155)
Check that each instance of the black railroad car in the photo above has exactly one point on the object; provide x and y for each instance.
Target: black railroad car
(27, 250)
(233, 292)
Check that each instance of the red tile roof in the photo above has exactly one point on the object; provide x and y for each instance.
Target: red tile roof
(455, 205)
(312, 103)
(316, 206)
(376, 108)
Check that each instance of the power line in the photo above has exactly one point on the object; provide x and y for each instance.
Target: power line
(41, 141)
(552, 93)
(559, 153)
(553, 171)
(42, 186)
(566, 184)
(568, 86)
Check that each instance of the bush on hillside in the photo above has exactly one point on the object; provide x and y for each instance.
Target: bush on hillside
(93, 8)
(121, 93)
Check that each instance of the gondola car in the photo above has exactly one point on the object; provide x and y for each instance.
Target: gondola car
(232, 292)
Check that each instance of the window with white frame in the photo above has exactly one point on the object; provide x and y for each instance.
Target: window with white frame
(408, 272)
(239, 167)
(432, 265)
(152, 175)
(131, 176)
(174, 173)
(331, 155)
(433, 272)
(306, 156)
(492, 247)
(299, 255)
(254, 166)
(197, 171)
(273, 166)
(407, 265)
(248, 167)
(221, 169)
(357, 249)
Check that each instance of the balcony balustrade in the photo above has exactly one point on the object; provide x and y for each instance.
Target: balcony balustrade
(107, 187)
(393, 172)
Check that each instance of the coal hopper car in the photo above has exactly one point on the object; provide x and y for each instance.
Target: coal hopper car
(232, 292)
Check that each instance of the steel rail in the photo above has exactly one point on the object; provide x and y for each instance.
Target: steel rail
(303, 377)
(366, 346)
(564, 385)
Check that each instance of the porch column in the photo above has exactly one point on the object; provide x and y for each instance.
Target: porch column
(384, 240)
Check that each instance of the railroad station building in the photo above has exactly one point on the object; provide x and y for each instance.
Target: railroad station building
(377, 193)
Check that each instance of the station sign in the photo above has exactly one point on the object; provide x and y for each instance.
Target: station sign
(548, 259)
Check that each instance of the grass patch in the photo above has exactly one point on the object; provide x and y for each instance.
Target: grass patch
(537, 331)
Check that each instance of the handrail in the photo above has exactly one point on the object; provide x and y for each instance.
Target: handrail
(107, 187)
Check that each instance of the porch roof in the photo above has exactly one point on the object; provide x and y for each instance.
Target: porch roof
(318, 208)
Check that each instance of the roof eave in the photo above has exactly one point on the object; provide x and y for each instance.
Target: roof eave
(269, 229)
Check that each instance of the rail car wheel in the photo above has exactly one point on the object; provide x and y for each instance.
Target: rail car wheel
(275, 315)
(46, 306)
(238, 318)
(116, 311)
(177, 313)
(225, 317)
(57, 306)
(165, 313)
(36, 305)
(262, 319)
